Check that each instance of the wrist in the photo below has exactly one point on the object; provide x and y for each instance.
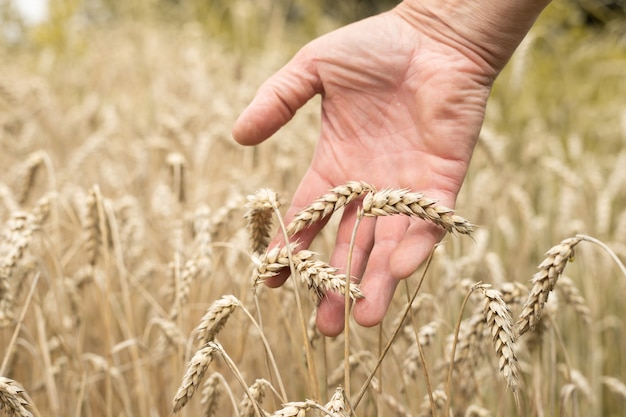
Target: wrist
(486, 30)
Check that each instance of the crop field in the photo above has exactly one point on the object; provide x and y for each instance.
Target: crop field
(133, 232)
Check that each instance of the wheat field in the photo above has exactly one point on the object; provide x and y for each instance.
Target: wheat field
(133, 233)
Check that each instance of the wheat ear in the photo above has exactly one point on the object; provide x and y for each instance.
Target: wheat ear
(13, 243)
(196, 368)
(327, 204)
(11, 399)
(215, 318)
(211, 392)
(319, 276)
(399, 201)
(500, 325)
(258, 215)
(247, 408)
(337, 403)
(28, 175)
(544, 281)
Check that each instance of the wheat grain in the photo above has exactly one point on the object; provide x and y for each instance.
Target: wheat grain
(569, 292)
(188, 274)
(215, 318)
(425, 336)
(211, 392)
(439, 398)
(93, 232)
(327, 204)
(194, 373)
(203, 250)
(500, 325)
(477, 411)
(28, 174)
(13, 243)
(399, 201)
(337, 403)
(11, 399)
(513, 293)
(247, 407)
(550, 269)
(172, 333)
(319, 276)
(259, 211)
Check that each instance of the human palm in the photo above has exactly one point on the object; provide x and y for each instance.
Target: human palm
(400, 109)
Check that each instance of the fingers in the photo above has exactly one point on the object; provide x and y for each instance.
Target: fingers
(378, 284)
(277, 100)
(414, 249)
(401, 246)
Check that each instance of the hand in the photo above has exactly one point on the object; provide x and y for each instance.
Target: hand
(402, 107)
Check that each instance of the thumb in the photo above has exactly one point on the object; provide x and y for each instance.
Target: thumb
(277, 100)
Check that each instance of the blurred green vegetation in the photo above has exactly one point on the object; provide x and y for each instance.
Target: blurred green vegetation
(242, 23)
(246, 23)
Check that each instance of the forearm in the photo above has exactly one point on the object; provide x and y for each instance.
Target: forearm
(488, 29)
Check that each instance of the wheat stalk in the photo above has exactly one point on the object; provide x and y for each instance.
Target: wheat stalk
(550, 269)
(177, 162)
(327, 204)
(389, 202)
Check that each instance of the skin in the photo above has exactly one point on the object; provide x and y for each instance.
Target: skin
(403, 100)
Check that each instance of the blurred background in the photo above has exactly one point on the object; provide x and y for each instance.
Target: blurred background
(49, 22)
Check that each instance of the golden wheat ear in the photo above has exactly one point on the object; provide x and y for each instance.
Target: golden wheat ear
(390, 202)
(327, 204)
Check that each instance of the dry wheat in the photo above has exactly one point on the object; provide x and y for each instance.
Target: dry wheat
(615, 385)
(500, 325)
(398, 201)
(93, 230)
(259, 211)
(572, 296)
(337, 403)
(250, 403)
(177, 163)
(215, 318)
(11, 399)
(14, 241)
(439, 399)
(544, 281)
(188, 274)
(203, 250)
(327, 204)
(211, 392)
(319, 276)
(28, 174)
(194, 374)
